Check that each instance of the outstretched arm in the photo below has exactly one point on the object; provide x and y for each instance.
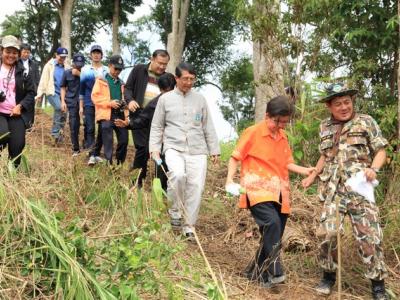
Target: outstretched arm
(306, 182)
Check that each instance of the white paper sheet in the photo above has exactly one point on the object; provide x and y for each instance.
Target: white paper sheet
(360, 185)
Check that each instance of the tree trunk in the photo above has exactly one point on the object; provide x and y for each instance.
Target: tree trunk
(176, 39)
(267, 60)
(398, 76)
(65, 12)
(116, 48)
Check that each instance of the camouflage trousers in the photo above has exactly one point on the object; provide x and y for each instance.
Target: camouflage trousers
(364, 218)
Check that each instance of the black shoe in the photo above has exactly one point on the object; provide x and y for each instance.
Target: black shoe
(326, 284)
(249, 272)
(378, 290)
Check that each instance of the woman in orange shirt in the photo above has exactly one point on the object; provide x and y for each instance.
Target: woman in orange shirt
(265, 157)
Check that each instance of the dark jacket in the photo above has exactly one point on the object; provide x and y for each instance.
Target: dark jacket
(34, 72)
(142, 123)
(136, 84)
(25, 94)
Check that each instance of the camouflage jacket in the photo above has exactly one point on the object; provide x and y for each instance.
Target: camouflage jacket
(353, 151)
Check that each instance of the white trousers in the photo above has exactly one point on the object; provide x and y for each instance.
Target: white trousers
(187, 175)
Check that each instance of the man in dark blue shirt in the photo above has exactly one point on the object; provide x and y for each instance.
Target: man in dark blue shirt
(70, 87)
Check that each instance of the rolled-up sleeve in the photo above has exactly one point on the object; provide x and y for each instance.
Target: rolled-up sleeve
(377, 141)
(243, 146)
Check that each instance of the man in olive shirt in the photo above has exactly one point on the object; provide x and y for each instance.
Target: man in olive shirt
(183, 127)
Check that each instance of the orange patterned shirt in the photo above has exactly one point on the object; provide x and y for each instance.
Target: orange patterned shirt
(264, 159)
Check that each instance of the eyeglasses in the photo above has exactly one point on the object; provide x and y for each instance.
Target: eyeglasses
(277, 121)
(188, 79)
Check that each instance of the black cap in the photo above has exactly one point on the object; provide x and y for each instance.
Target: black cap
(117, 61)
(78, 60)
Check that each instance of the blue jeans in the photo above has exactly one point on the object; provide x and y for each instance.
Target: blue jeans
(74, 124)
(89, 127)
(59, 117)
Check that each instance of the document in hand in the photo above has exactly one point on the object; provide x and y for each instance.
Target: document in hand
(360, 185)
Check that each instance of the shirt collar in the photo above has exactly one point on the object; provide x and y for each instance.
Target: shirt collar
(179, 92)
(112, 78)
(265, 131)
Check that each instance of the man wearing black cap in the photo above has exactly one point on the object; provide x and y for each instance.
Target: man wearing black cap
(89, 74)
(50, 85)
(141, 87)
(70, 85)
(351, 146)
(111, 111)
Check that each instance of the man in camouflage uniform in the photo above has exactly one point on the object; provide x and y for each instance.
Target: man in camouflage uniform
(349, 143)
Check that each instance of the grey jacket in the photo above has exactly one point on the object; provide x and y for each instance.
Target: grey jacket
(183, 122)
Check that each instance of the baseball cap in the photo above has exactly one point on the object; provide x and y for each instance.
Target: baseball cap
(78, 59)
(10, 41)
(96, 48)
(117, 61)
(62, 51)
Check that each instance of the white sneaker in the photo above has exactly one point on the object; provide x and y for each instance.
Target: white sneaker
(98, 159)
(92, 161)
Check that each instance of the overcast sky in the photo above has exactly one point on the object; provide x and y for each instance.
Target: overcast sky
(212, 94)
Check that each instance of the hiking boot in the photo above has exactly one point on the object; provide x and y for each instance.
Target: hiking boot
(326, 284)
(378, 290)
(91, 161)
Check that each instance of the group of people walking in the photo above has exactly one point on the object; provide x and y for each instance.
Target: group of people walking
(171, 124)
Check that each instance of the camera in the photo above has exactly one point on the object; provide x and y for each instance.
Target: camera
(3, 96)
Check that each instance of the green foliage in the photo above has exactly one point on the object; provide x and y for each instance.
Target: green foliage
(39, 25)
(226, 150)
(52, 235)
(360, 36)
(237, 83)
(210, 31)
(106, 10)
(139, 49)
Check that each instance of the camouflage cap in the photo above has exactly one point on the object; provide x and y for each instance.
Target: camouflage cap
(337, 90)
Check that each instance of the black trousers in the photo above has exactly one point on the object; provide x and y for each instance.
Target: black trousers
(12, 134)
(142, 156)
(107, 129)
(96, 149)
(74, 121)
(271, 224)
